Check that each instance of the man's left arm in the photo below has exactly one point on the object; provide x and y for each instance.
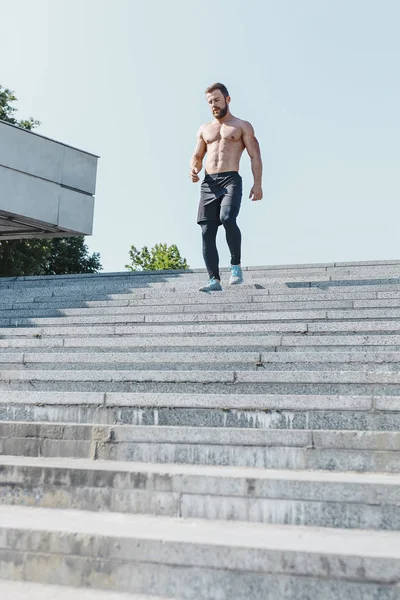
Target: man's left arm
(253, 148)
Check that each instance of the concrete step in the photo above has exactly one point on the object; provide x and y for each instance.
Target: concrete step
(193, 281)
(232, 343)
(332, 270)
(315, 412)
(140, 358)
(204, 303)
(352, 307)
(336, 276)
(258, 292)
(199, 303)
(377, 342)
(19, 590)
(280, 296)
(129, 317)
(221, 328)
(205, 360)
(189, 274)
(198, 560)
(361, 451)
(176, 329)
(110, 310)
(204, 381)
(378, 276)
(251, 304)
(182, 280)
(226, 297)
(371, 358)
(306, 498)
(334, 316)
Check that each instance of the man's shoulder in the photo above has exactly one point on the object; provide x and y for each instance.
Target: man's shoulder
(246, 126)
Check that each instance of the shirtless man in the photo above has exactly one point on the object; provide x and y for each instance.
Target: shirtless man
(223, 140)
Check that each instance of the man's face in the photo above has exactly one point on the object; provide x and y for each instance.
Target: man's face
(218, 104)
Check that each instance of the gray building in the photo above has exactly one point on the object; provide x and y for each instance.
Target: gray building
(46, 188)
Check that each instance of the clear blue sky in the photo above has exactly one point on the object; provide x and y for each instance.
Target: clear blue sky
(318, 79)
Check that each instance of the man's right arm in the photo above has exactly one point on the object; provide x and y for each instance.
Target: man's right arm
(196, 163)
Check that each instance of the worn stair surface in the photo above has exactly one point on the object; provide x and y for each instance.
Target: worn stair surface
(158, 442)
(16, 590)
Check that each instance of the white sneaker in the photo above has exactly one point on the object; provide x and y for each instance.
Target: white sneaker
(236, 275)
(213, 286)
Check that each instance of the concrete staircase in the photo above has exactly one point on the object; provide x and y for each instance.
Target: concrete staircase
(159, 443)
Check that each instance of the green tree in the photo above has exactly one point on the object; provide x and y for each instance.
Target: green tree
(159, 258)
(71, 255)
(56, 256)
(35, 256)
(23, 257)
(7, 97)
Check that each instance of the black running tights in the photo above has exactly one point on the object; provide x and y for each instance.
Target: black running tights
(233, 238)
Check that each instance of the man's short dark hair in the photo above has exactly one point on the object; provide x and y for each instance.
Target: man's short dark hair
(218, 86)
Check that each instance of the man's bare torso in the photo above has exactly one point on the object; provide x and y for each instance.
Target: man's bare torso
(225, 146)
(223, 140)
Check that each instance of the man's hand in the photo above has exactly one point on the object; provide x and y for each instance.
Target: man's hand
(194, 176)
(256, 193)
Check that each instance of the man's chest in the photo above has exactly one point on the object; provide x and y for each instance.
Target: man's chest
(216, 133)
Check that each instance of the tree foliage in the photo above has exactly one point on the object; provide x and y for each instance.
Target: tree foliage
(35, 256)
(56, 256)
(159, 258)
(7, 98)
(23, 257)
(71, 255)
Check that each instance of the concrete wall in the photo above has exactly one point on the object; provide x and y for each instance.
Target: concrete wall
(46, 188)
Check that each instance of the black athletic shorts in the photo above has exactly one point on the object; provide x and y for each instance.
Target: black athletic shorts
(217, 191)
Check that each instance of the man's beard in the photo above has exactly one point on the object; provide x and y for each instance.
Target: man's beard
(222, 112)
